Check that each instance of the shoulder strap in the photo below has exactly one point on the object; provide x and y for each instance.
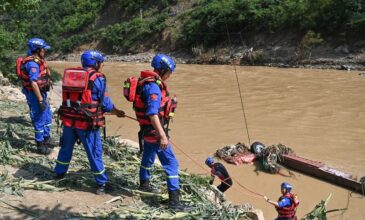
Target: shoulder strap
(92, 78)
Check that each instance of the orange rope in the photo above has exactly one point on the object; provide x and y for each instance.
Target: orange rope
(253, 193)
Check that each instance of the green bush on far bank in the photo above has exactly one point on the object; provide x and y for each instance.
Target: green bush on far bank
(208, 21)
(127, 36)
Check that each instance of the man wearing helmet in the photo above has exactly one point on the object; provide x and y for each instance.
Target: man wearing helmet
(217, 169)
(35, 76)
(150, 105)
(287, 203)
(85, 100)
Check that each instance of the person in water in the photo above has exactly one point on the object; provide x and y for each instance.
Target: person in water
(217, 169)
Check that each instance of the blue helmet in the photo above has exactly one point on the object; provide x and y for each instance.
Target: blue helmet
(209, 161)
(91, 57)
(37, 43)
(162, 61)
(286, 186)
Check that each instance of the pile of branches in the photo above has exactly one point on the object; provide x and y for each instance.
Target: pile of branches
(232, 150)
(122, 164)
(271, 156)
(320, 211)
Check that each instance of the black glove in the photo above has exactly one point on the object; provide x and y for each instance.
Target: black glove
(42, 105)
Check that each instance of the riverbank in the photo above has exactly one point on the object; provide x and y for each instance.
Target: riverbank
(325, 57)
(28, 189)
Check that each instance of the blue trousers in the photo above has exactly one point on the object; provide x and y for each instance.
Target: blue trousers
(168, 161)
(92, 144)
(42, 121)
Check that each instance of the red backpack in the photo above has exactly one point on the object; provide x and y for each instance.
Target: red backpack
(130, 88)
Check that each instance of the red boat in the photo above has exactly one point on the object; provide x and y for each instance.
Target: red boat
(321, 171)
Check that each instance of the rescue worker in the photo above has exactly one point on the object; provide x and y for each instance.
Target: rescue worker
(82, 116)
(150, 105)
(287, 203)
(218, 169)
(35, 77)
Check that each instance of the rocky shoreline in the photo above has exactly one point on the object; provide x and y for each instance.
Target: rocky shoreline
(339, 58)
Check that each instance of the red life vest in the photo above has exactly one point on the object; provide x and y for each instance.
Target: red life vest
(44, 75)
(167, 105)
(289, 211)
(78, 110)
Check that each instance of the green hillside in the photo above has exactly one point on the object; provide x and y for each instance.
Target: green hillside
(132, 26)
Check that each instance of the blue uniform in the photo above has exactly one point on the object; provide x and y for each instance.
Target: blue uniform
(166, 157)
(42, 121)
(89, 138)
(284, 202)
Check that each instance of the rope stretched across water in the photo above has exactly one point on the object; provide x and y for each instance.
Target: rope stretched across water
(239, 90)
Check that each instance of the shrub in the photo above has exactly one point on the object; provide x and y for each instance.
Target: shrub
(310, 40)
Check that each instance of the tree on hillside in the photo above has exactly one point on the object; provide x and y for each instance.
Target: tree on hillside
(12, 38)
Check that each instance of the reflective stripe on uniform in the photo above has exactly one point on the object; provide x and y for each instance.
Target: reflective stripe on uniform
(48, 125)
(99, 173)
(146, 168)
(38, 131)
(172, 177)
(62, 163)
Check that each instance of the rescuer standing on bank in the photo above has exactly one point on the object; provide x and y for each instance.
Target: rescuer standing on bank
(85, 100)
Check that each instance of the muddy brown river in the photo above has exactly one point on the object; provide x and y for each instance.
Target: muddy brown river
(320, 114)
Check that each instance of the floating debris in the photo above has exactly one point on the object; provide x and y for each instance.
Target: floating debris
(271, 156)
(235, 154)
(268, 157)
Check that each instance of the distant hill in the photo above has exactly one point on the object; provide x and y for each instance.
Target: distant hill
(209, 31)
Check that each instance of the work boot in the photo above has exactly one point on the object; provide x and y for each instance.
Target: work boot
(104, 188)
(42, 148)
(49, 142)
(146, 187)
(59, 176)
(175, 204)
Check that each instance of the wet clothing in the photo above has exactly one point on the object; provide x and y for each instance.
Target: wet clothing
(219, 170)
(151, 94)
(90, 138)
(41, 120)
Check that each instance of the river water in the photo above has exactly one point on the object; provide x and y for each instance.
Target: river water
(320, 114)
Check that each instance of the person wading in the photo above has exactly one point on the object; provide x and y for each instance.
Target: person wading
(84, 101)
(287, 203)
(35, 76)
(152, 105)
(217, 169)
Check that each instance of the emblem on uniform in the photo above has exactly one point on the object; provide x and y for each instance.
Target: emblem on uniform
(153, 97)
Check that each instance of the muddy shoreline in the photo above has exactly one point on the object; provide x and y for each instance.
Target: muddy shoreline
(282, 57)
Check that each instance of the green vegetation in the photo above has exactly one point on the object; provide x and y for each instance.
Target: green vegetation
(320, 211)
(127, 36)
(208, 22)
(129, 26)
(309, 40)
